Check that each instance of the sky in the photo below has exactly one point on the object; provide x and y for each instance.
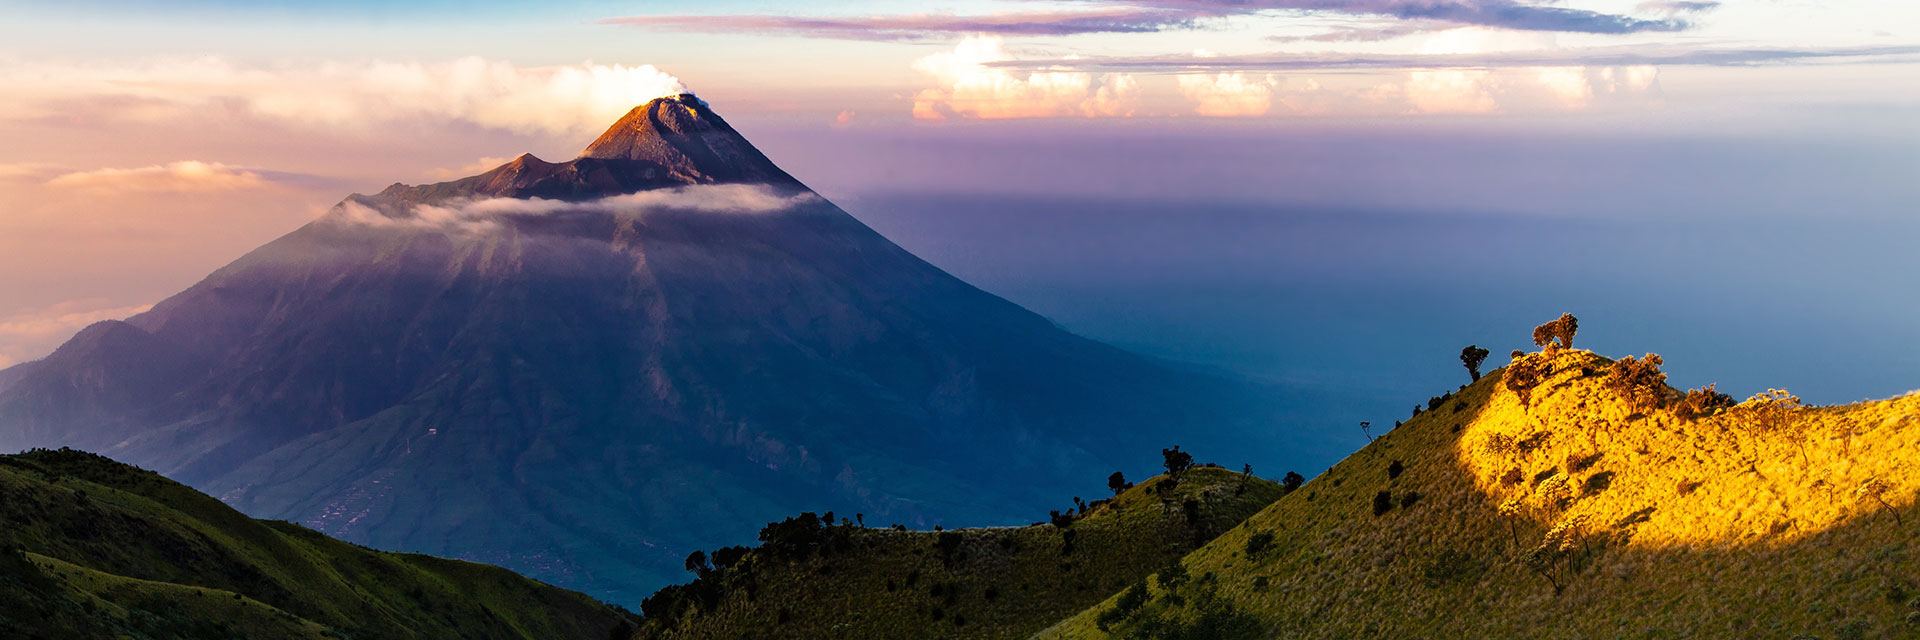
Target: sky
(1208, 180)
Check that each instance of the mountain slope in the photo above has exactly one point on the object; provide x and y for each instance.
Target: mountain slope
(97, 549)
(1581, 511)
(575, 369)
(848, 581)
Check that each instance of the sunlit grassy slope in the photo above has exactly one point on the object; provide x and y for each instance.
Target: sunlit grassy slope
(1573, 515)
(92, 548)
(967, 583)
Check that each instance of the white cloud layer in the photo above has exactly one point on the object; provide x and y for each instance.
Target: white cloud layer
(968, 88)
(186, 176)
(1229, 94)
(488, 93)
(30, 335)
(472, 216)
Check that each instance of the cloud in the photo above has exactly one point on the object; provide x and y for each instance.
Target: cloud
(1151, 16)
(185, 176)
(34, 333)
(1619, 56)
(485, 214)
(1119, 19)
(29, 171)
(1229, 94)
(482, 165)
(493, 94)
(971, 89)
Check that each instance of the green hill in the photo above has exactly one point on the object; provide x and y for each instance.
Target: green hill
(816, 579)
(92, 548)
(1572, 496)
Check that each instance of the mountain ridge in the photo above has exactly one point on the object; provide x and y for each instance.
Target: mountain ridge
(532, 368)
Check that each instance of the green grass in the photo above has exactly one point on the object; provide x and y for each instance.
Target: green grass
(993, 583)
(103, 549)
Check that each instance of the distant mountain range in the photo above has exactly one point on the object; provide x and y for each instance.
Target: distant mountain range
(582, 370)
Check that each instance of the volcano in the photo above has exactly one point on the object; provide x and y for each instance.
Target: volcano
(583, 370)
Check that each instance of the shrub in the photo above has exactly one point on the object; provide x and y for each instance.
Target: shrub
(1700, 403)
(1525, 374)
(1472, 356)
(1409, 498)
(1259, 543)
(1560, 329)
(1382, 502)
(1129, 602)
(1638, 381)
(1393, 470)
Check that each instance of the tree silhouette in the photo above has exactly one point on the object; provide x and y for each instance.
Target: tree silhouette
(1118, 483)
(1292, 481)
(697, 563)
(1561, 329)
(1472, 356)
(1176, 461)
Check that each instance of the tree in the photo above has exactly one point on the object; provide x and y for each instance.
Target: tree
(697, 563)
(1382, 501)
(1118, 483)
(1877, 489)
(726, 558)
(1365, 428)
(1176, 461)
(1472, 356)
(1560, 329)
(1292, 481)
(1639, 381)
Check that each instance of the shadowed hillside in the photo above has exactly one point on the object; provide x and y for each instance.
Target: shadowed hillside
(814, 579)
(1572, 496)
(96, 549)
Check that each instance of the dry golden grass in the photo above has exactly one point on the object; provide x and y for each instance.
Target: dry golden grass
(1574, 515)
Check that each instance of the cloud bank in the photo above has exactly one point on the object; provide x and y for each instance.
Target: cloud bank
(485, 214)
(494, 94)
(970, 89)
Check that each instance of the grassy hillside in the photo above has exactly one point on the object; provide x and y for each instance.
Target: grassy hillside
(822, 580)
(1572, 496)
(92, 548)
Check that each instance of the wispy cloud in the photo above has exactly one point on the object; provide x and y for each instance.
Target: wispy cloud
(485, 214)
(185, 176)
(33, 334)
(970, 89)
(348, 95)
(1149, 16)
(1593, 56)
(482, 165)
(1119, 19)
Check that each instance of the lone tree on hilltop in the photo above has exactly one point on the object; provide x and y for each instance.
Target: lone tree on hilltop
(1292, 481)
(1118, 483)
(1560, 329)
(1472, 356)
(1176, 461)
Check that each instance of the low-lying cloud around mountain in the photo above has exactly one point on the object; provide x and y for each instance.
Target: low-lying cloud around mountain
(479, 215)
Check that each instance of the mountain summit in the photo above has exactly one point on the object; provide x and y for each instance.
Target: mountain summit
(582, 370)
